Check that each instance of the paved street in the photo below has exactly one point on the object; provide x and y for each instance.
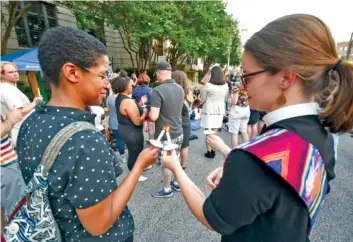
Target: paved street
(164, 220)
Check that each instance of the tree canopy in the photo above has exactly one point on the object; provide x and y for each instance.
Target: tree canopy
(186, 29)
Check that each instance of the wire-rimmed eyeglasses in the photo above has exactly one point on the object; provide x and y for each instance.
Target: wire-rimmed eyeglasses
(108, 76)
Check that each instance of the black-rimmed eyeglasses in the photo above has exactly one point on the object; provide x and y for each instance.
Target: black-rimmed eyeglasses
(243, 77)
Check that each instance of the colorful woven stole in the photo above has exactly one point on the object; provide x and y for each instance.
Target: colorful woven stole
(297, 161)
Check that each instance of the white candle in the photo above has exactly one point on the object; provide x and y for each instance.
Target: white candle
(168, 136)
(161, 135)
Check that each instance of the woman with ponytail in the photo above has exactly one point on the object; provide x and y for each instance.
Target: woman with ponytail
(271, 188)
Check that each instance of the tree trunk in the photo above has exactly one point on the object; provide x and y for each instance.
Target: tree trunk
(5, 40)
(182, 59)
(125, 47)
(206, 65)
(11, 22)
(173, 62)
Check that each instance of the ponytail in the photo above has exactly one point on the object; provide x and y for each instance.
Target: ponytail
(338, 97)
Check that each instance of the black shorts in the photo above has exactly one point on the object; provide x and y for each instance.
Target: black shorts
(254, 117)
(186, 139)
(262, 114)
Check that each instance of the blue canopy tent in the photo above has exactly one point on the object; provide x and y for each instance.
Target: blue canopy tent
(26, 60)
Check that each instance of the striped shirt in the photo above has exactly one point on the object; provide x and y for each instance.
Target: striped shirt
(7, 153)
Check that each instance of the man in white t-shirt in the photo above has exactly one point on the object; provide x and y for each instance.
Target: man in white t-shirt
(12, 98)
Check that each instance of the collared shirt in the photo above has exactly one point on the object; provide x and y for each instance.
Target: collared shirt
(291, 111)
(252, 201)
(83, 174)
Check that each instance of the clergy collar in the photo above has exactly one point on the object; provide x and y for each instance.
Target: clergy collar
(291, 111)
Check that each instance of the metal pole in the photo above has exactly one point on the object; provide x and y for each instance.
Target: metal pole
(350, 46)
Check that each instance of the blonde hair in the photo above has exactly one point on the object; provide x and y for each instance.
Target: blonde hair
(2, 65)
(303, 44)
(181, 78)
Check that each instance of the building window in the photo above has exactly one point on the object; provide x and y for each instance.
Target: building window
(30, 27)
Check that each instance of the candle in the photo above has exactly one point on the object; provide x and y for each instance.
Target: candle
(161, 134)
(168, 135)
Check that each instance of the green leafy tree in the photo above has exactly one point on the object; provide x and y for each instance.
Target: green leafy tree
(88, 16)
(220, 38)
(188, 29)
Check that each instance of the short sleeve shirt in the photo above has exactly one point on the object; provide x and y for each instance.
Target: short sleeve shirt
(169, 98)
(83, 174)
(252, 202)
(11, 98)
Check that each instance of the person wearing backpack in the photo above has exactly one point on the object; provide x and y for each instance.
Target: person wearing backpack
(84, 197)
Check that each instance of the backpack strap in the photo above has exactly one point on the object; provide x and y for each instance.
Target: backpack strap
(59, 140)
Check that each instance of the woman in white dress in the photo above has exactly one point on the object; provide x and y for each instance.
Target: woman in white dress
(213, 96)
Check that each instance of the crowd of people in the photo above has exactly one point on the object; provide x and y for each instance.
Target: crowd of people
(272, 185)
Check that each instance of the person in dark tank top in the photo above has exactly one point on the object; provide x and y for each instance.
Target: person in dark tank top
(130, 117)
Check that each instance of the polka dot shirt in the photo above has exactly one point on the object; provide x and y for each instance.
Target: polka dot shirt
(84, 173)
